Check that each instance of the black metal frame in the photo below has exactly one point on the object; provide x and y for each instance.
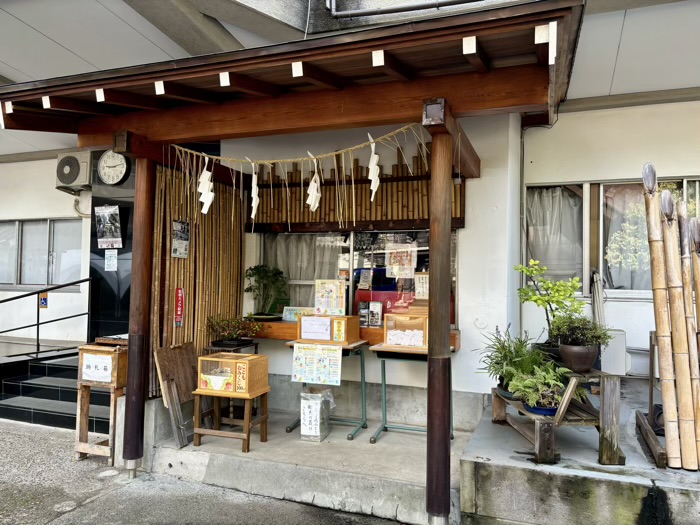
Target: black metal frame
(39, 323)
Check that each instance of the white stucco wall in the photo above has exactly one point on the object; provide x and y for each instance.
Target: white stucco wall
(27, 191)
(487, 248)
(614, 145)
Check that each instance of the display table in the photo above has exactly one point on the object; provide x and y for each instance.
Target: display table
(354, 349)
(540, 429)
(247, 422)
(395, 353)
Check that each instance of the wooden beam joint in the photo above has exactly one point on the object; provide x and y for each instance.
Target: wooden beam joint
(438, 120)
(317, 76)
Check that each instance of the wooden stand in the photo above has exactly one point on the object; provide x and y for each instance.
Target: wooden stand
(113, 360)
(247, 422)
(570, 413)
(645, 422)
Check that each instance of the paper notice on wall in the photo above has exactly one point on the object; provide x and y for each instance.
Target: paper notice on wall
(317, 364)
(181, 239)
(97, 368)
(111, 260)
(108, 227)
(401, 260)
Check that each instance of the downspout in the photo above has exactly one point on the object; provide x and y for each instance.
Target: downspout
(435, 4)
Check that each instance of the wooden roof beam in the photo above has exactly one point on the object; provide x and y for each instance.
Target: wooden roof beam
(249, 85)
(317, 76)
(391, 65)
(472, 51)
(75, 106)
(187, 93)
(503, 90)
(129, 100)
(36, 122)
(437, 118)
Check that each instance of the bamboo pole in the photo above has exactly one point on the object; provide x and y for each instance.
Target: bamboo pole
(679, 336)
(691, 329)
(661, 316)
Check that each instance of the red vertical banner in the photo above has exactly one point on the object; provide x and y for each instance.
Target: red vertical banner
(179, 306)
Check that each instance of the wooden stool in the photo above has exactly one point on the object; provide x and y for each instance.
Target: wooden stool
(101, 448)
(247, 422)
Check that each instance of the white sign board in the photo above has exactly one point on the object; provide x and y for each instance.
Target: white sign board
(318, 328)
(97, 368)
(310, 421)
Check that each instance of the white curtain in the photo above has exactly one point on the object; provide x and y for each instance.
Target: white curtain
(626, 250)
(555, 230)
(303, 257)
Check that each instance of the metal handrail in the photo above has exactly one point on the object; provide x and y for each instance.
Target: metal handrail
(38, 309)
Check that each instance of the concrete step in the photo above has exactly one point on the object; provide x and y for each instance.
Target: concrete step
(66, 367)
(52, 387)
(51, 412)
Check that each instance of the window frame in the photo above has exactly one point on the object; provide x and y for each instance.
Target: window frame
(17, 286)
(617, 295)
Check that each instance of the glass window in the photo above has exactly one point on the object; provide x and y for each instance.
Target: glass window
(35, 250)
(554, 218)
(8, 252)
(65, 253)
(626, 263)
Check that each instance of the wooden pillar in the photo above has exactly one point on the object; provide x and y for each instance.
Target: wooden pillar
(139, 312)
(437, 493)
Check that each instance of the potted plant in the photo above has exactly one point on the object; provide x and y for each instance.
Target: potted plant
(234, 332)
(555, 297)
(268, 285)
(580, 339)
(504, 356)
(541, 391)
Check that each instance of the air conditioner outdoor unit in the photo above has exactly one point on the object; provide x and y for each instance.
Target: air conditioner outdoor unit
(73, 172)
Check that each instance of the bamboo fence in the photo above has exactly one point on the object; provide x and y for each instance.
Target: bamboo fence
(211, 276)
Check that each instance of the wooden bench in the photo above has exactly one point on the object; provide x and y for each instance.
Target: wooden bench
(539, 430)
(247, 422)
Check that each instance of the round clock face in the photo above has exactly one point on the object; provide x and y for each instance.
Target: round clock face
(112, 167)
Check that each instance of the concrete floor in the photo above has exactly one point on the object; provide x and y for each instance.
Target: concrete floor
(41, 483)
(385, 479)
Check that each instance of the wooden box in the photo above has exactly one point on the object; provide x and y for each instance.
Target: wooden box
(231, 373)
(402, 330)
(102, 365)
(337, 330)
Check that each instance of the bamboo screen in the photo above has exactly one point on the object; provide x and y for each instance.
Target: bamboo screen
(210, 277)
(402, 200)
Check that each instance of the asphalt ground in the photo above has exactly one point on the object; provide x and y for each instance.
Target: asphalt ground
(41, 483)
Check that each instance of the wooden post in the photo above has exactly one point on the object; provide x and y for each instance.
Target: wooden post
(609, 445)
(139, 313)
(437, 119)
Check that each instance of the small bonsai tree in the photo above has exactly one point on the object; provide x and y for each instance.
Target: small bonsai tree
(227, 329)
(578, 330)
(267, 284)
(556, 297)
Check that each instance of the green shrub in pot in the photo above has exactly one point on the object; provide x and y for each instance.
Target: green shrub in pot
(544, 387)
(580, 339)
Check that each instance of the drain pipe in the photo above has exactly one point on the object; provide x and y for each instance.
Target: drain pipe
(435, 4)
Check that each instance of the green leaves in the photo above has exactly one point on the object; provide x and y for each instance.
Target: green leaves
(578, 330)
(226, 329)
(267, 284)
(556, 297)
(543, 387)
(504, 356)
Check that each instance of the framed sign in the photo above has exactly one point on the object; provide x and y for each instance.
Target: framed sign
(316, 328)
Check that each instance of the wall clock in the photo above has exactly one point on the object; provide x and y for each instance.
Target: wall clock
(112, 168)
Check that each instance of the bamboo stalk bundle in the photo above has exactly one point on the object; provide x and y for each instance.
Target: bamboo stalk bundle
(686, 411)
(686, 273)
(661, 316)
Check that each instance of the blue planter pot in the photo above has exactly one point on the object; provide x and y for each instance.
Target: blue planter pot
(541, 411)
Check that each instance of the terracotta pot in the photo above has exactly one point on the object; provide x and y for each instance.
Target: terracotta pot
(578, 358)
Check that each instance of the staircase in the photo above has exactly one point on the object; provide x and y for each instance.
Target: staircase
(47, 395)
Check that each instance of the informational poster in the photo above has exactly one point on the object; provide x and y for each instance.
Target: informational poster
(179, 305)
(317, 364)
(111, 259)
(316, 328)
(330, 297)
(181, 239)
(422, 285)
(108, 227)
(365, 279)
(375, 313)
(401, 260)
(97, 368)
(293, 313)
